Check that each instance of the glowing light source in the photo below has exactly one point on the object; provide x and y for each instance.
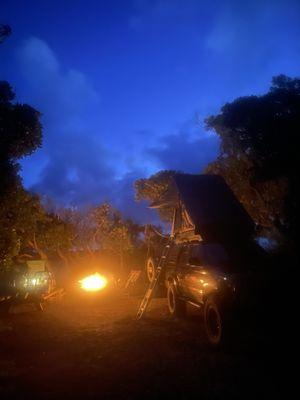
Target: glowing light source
(93, 283)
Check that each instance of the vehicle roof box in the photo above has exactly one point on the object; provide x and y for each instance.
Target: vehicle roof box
(212, 208)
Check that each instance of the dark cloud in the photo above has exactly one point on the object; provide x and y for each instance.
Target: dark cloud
(77, 173)
(124, 199)
(182, 153)
(251, 41)
(75, 165)
(242, 44)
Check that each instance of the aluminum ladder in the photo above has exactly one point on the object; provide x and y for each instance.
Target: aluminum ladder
(151, 288)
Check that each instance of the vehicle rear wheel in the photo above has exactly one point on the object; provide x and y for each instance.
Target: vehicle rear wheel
(177, 307)
(150, 269)
(213, 322)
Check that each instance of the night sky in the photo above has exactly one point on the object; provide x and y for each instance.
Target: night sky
(124, 85)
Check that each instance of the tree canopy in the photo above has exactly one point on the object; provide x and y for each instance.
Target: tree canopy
(259, 153)
(154, 188)
(109, 231)
(20, 135)
(21, 130)
(26, 224)
(5, 31)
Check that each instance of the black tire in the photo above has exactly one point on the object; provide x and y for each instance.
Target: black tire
(214, 322)
(177, 306)
(150, 269)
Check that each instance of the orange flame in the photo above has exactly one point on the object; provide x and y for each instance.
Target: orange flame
(93, 283)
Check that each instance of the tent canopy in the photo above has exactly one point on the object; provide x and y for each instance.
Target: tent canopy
(206, 206)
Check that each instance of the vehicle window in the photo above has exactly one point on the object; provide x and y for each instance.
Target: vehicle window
(210, 254)
(215, 254)
(196, 254)
(173, 255)
(183, 256)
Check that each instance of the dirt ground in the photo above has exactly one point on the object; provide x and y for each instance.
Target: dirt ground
(88, 347)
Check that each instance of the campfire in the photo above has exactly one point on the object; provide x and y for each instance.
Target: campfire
(93, 283)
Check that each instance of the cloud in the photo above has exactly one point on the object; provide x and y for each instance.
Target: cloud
(253, 41)
(64, 96)
(180, 152)
(124, 199)
(77, 173)
(74, 166)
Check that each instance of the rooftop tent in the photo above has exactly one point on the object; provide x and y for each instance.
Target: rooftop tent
(209, 208)
(206, 208)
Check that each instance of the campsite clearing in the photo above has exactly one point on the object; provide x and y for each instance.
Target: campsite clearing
(93, 347)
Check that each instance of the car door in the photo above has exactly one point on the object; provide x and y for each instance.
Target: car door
(171, 268)
(182, 269)
(197, 278)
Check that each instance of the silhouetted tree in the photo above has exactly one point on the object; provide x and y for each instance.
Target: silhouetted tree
(24, 221)
(101, 228)
(25, 225)
(5, 31)
(259, 154)
(112, 233)
(154, 189)
(20, 134)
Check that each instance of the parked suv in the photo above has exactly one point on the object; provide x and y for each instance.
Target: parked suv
(213, 261)
(224, 285)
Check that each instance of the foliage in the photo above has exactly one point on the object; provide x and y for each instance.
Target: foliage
(5, 31)
(51, 235)
(18, 210)
(111, 232)
(259, 153)
(101, 228)
(24, 221)
(21, 130)
(82, 227)
(154, 189)
(25, 224)
(20, 135)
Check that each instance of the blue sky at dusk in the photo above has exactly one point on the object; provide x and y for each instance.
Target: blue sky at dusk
(124, 86)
